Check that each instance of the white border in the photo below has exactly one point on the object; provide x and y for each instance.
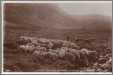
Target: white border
(2, 5)
(2, 30)
(57, 1)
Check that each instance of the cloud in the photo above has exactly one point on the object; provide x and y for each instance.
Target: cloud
(87, 8)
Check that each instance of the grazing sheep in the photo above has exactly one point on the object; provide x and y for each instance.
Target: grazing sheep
(43, 41)
(36, 53)
(75, 52)
(70, 45)
(56, 44)
(45, 50)
(62, 53)
(35, 42)
(39, 48)
(74, 46)
(37, 56)
(65, 44)
(69, 56)
(52, 56)
(65, 48)
(29, 48)
(50, 45)
(54, 51)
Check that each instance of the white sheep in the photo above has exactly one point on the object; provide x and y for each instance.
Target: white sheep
(52, 54)
(73, 45)
(65, 44)
(75, 52)
(34, 41)
(50, 45)
(43, 41)
(39, 54)
(54, 51)
(36, 53)
(69, 56)
(27, 48)
(39, 48)
(56, 44)
(65, 48)
(62, 52)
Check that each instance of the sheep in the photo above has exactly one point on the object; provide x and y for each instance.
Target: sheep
(29, 48)
(37, 56)
(39, 48)
(62, 52)
(73, 45)
(52, 56)
(70, 45)
(50, 45)
(65, 48)
(52, 53)
(40, 55)
(43, 41)
(34, 41)
(69, 56)
(36, 53)
(56, 44)
(52, 49)
(65, 44)
(75, 52)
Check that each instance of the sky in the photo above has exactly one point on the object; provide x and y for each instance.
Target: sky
(87, 8)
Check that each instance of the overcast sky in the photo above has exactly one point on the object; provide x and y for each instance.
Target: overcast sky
(87, 8)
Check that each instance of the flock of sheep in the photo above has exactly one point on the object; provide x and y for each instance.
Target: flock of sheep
(52, 49)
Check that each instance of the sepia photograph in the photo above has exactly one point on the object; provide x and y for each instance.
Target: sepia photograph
(59, 36)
